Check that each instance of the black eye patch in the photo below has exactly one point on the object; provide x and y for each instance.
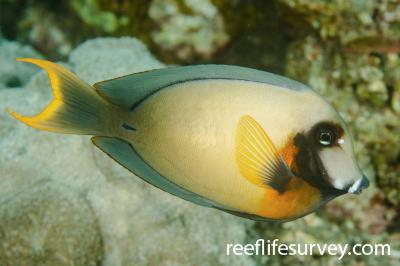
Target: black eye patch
(326, 134)
(309, 164)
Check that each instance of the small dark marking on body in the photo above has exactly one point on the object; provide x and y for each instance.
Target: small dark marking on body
(128, 127)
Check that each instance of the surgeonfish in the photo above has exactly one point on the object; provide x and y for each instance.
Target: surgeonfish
(248, 142)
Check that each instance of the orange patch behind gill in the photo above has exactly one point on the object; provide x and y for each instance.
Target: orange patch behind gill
(299, 198)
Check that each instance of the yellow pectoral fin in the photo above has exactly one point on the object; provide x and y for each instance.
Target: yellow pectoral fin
(257, 158)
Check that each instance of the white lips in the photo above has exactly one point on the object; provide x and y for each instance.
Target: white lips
(355, 186)
(338, 184)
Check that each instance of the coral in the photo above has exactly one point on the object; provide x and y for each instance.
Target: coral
(47, 223)
(348, 51)
(12, 73)
(90, 12)
(44, 31)
(133, 57)
(349, 22)
(363, 84)
(198, 31)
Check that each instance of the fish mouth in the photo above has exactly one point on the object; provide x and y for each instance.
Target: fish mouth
(359, 185)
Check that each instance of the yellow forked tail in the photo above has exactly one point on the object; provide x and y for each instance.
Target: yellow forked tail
(76, 107)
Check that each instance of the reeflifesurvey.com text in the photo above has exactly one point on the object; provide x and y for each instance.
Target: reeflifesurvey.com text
(275, 247)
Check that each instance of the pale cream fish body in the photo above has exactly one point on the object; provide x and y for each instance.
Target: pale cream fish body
(187, 133)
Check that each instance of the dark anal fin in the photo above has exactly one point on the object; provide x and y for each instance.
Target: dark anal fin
(123, 153)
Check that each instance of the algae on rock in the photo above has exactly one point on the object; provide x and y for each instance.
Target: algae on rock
(198, 32)
(362, 84)
(348, 51)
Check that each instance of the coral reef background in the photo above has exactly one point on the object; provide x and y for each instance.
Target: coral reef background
(63, 202)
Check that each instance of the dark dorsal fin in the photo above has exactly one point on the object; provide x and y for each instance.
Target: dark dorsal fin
(128, 91)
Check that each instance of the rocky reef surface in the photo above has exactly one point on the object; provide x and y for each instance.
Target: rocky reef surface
(63, 202)
(348, 51)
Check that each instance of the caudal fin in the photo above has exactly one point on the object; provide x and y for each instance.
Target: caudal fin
(76, 107)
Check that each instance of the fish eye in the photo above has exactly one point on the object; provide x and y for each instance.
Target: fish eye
(326, 137)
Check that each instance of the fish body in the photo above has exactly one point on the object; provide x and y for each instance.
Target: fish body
(188, 131)
(236, 139)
